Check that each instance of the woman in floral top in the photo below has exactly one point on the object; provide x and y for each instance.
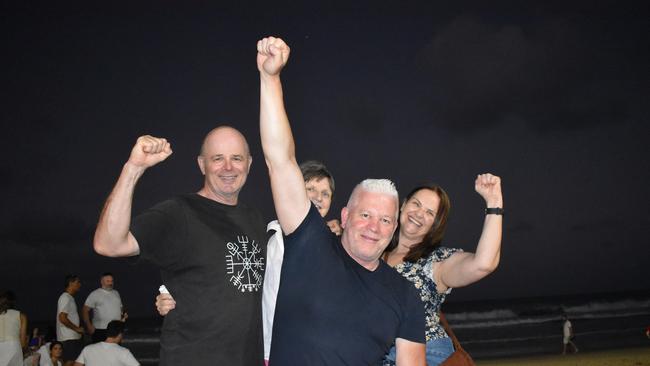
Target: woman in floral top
(416, 253)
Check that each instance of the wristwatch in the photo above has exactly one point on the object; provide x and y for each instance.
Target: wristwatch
(494, 211)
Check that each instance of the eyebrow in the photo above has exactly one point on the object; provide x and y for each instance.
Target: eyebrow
(428, 208)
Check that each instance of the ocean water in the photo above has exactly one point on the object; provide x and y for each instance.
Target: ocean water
(530, 326)
(502, 328)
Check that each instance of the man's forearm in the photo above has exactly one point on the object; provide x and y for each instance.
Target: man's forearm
(277, 140)
(63, 318)
(85, 315)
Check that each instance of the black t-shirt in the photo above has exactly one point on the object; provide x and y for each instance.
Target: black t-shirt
(333, 311)
(212, 259)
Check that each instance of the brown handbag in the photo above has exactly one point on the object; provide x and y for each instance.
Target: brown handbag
(460, 357)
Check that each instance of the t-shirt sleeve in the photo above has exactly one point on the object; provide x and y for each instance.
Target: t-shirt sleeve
(63, 306)
(82, 355)
(312, 227)
(90, 300)
(128, 359)
(412, 327)
(157, 229)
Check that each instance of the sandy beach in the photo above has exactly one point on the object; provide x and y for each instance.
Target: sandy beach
(620, 357)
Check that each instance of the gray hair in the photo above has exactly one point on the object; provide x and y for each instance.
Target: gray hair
(383, 186)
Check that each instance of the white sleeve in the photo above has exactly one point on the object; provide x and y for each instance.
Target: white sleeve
(81, 359)
(90, 300)
(128, 359)
(62, 305)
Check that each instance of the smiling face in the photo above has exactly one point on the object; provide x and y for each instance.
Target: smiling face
(418, 215)
(369, 222)
(320, 193)
(225, 162)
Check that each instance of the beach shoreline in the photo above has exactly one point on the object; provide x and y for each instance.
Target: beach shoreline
(636, 356)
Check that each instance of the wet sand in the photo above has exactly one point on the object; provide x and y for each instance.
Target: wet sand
(619, 357)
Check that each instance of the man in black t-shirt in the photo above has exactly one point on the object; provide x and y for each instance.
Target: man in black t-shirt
(338, 304)
(210, 249)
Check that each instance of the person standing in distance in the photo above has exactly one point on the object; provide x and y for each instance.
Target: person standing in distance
(106, 305)
(68, 331)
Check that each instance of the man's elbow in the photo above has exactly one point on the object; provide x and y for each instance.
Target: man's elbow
(104, 245)
(101, 248)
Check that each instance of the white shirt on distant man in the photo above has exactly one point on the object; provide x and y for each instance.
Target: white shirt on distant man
(66, 304)
(106, 305)
(106, 354)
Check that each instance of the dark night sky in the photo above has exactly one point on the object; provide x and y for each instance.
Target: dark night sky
(555, 100)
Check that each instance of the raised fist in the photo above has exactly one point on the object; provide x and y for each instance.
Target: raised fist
(489, 187)
(272, 55)
(149, 151)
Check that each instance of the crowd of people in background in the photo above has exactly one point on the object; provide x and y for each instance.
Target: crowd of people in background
(65, 344)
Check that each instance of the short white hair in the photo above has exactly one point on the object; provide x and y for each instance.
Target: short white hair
(383, 186)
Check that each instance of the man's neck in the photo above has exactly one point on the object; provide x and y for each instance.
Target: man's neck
(369, 265)
(230, 200)
(115, 340)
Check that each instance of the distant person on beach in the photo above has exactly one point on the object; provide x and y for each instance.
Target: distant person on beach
(338, 303)
(319, 184)
(210, 249)
(106, 305)
(108, 352)
(416, 253)
(68, 331)
(647, 332)
(13, 331)
(567, 335)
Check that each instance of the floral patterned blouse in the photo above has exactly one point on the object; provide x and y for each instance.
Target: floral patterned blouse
(421, 274)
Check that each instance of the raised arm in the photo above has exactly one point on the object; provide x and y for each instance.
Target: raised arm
(112, 236)
(462, 268)
(287, 184)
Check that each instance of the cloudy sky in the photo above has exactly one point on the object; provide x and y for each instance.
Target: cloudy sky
(555, 100)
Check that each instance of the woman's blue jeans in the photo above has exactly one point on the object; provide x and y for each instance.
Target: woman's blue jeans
(437, 351)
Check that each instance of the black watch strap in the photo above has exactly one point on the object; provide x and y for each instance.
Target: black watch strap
(494, 211)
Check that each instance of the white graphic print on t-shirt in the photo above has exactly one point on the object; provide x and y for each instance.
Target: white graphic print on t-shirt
(245, 264)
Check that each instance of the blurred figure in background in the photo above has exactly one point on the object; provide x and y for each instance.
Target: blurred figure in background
(68, 331)
(108, 351)
(106, 305)
(567, 332)
(13, 331)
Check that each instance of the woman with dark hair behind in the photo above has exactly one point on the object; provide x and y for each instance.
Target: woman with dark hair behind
(416, 253)
(13, 331)
(56, 354)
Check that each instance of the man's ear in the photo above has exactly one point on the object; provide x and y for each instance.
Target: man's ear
(201, 160)
(344, 216)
